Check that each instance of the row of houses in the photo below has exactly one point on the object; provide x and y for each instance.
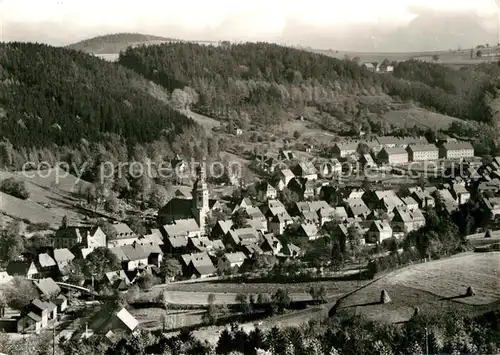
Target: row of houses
(399, 150)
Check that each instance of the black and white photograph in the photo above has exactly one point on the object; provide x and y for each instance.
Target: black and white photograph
(243, 177)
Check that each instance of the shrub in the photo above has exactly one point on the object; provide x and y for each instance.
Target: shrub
(15, 188)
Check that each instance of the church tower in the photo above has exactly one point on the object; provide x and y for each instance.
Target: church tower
(200, 199)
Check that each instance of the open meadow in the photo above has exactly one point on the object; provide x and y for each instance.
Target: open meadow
(433, 286)
(51, 197)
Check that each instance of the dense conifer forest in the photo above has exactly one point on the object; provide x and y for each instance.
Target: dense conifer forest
(260, 80)
(58, 96)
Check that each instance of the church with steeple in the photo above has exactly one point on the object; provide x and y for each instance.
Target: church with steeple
(197, 208)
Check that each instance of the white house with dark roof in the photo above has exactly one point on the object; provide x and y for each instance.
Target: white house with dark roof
(378, 231)
(344, 149)
(422, 152)
(393, 156)
(232, 260)
(123, 236)
(456, 150)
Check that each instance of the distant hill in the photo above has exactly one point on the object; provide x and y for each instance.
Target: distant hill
(114, 43)
(51, 95)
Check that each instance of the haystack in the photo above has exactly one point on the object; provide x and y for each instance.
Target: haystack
(416, 312)
(384, 297)
(470, 292)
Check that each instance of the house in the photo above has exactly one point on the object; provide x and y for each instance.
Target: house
(198, 265)
(118, 280)
(329, 168)
(265, 191)
(343, 150)
(492, 204)
(401, 142)
(179, 166)
(302, 187)
(122, 235)
(5, 277)
(286, 175)
(23, 268)
(242, 236)
(154, 236)
(356, 207)
(410, 203)
(47, 287)
(46, 264)
(423, 198)
(29, 321)
(287, 155)
(272, 208)
(155, 253)
(132, 256)
(292, 251)
(184, 227)
(378, 231)
(370, 66)
(110, 323)
(232, 260)
(61, 302)
(242, 204)
(63, 257)
(221, 228)
(271, 244)
(308, 231)
(406, 221)
(456, 150)
(422, 152)
(306, 170)
(393, 156)
(68, 237)
(279, 223)
(42, 310)
(460, 193)
(366, 161)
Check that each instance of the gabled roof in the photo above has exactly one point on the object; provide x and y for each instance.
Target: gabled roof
(380, 226)
(181, 227)
(154, 237)
(347, 145)
(458, 146)
(409, 200)
(34, 316)
(225, 225)
(63, 255)
(135, 252)
(202, 263)
(254, 212)
(236, 257)
(48, 287)
(422, 148)
(45, 260)
(127, 319)
(20, 267)
(395, 151)
(358, 207)
(151, 248)
(309, 229)
(287, 173)
(123, 231)
(114, 276)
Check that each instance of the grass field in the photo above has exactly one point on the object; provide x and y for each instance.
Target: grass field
(419, 117)
(332, 288)
(50, 197)
(204, 121)
(433, 286)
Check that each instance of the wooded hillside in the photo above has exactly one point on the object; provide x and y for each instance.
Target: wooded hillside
(260, 81)
(59, 96)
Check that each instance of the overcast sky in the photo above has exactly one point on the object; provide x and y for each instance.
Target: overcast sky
(323, 23)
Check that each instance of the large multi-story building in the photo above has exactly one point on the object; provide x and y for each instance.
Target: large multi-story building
(456, 150)
(422, 152)
(393, 156)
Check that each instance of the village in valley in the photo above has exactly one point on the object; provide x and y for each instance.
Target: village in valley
(309, 230)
